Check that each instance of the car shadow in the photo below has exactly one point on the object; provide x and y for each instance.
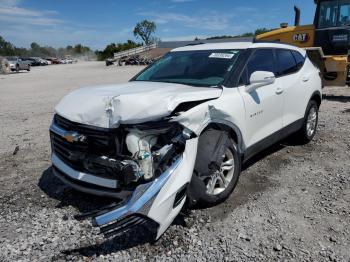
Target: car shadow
(265, 153)
(138, 236)
(16, 73)
(335, 98)
(67, 196)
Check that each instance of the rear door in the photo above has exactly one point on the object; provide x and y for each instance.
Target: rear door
(264, 106)
(292, 81)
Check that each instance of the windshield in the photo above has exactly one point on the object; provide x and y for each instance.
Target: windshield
(334, 13)
(207, 68)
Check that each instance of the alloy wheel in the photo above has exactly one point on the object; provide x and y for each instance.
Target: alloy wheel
(220, 179)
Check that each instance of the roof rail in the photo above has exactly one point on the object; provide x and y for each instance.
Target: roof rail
(257, 41)
(193, 44)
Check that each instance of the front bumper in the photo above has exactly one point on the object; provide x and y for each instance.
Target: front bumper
(159, 201)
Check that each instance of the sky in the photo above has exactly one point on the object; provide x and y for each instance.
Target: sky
(98, 23)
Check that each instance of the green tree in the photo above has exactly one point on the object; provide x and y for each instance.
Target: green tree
(34, 46)
(260, 31)
(144, 30)
(112, 48)
(6, 48)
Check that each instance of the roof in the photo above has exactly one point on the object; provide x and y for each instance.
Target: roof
(175, 44)
(236, 45)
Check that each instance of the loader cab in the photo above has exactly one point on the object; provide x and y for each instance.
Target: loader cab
(332, 23)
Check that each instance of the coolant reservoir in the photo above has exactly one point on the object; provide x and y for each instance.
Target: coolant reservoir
(139, 144)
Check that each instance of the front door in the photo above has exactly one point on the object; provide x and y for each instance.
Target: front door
(264, 106)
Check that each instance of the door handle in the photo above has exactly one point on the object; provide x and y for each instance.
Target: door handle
(279, 91)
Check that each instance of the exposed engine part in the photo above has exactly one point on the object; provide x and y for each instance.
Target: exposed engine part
(127, 171)
(139, 144)
(155, 148)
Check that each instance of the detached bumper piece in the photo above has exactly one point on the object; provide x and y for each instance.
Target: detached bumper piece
(127, 224)
(138, 206)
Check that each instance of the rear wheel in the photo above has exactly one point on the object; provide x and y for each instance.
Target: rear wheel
(309, 128)
(28, 69)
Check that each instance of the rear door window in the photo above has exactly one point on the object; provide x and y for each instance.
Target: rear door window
(299, 58)
(286, 63)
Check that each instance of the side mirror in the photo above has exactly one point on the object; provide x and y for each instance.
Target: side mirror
(259, 79)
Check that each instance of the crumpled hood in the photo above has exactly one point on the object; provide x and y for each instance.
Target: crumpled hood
(129, 103)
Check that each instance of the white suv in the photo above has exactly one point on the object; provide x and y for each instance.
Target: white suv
(181, 129)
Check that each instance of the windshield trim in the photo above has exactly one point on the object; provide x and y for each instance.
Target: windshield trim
(178, 83)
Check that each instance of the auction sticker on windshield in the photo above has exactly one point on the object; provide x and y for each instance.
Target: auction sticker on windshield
(222, 55)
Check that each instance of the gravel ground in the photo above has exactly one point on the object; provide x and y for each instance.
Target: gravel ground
(292, 202)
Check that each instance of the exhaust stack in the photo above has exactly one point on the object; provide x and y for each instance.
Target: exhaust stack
(297, 16)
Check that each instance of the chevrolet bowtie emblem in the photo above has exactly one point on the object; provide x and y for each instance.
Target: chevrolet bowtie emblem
(74, 137)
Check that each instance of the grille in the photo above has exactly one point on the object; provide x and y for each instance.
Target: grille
(99, 142)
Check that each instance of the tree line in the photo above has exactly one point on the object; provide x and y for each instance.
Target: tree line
(35, 50)
(250, 34)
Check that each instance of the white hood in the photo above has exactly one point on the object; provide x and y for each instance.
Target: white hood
(129, 103)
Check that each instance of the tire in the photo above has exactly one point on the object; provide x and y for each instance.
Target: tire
(309, 128)
(199, 190)
(28, 68)
(17, 68)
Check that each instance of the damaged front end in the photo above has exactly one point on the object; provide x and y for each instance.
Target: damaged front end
(147, 166)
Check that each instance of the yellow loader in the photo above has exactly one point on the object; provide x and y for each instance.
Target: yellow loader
(327, 41)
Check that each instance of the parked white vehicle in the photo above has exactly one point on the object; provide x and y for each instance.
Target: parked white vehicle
(17, 64)
(48, 62)
(181, 129)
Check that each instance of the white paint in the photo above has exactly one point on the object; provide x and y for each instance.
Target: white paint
(130, 103)
(162, 210)
(237, 46)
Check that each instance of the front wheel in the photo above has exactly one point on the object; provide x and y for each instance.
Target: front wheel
(309, 128)
(28, 69)
(17, 68)
(210, 184)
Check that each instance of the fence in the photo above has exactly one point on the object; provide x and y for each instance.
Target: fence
(134, 51)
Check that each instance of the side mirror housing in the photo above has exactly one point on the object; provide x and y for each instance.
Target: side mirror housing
(260, 79)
